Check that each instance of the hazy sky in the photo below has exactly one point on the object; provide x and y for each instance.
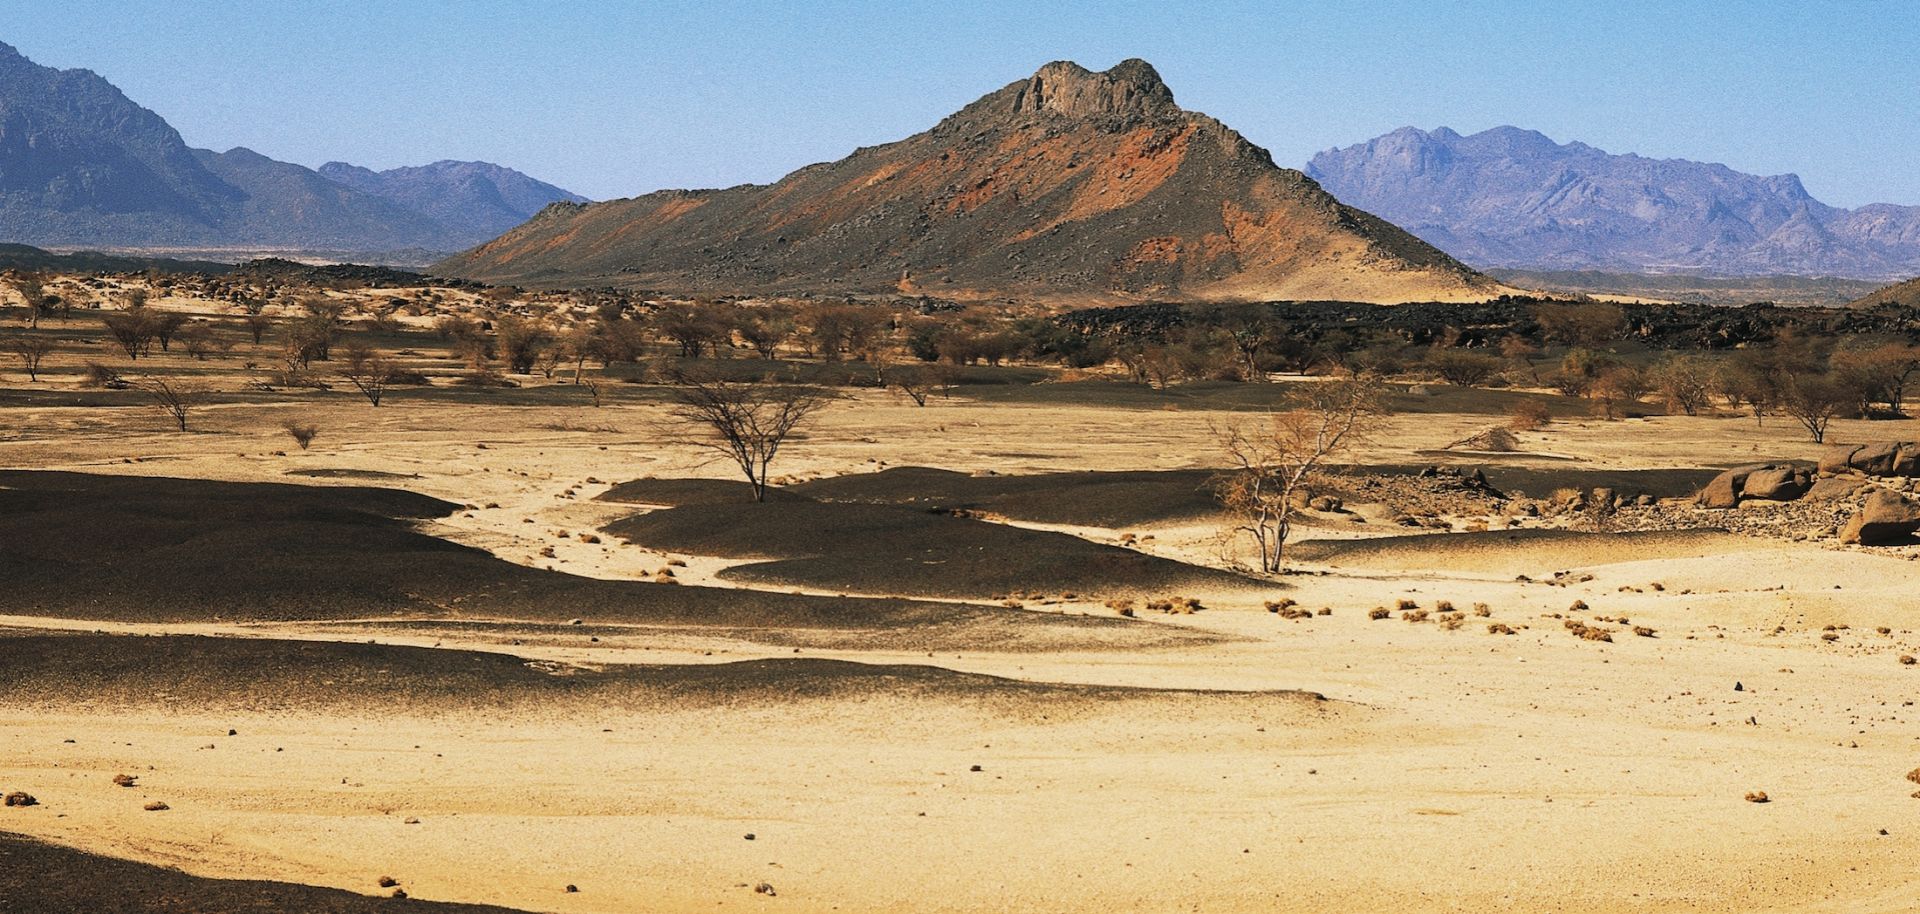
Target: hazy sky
(616, 99)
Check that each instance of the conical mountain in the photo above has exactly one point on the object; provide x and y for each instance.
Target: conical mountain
(1066, 183)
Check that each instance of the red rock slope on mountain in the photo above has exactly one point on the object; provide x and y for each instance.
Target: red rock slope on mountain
(1065, 183)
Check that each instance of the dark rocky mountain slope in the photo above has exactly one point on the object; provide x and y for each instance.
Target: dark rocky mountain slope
(1065, 183)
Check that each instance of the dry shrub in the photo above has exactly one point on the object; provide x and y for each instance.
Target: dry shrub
(1528, 415)
(302, 433)
(1907, 660)
(1281, 605)
(1643, 631)
(1757, 796)
(1482, 610)
(124, 780)
(1445, 606)
(21, 798)
(1452, 621)
(1499, 628)
(1914, 775)
(156, 806)
(1579, 606)
(1829, 636)
(1883, 630)
(386, 882)
(1122, 607)
(1416, 616)
(1380, 612)
(1406, 604)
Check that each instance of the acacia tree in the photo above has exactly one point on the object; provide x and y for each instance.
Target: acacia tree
(1813, 400)
(172, 398)
(31, 350)
(746, 423)
(1272, 463)
(368, 371)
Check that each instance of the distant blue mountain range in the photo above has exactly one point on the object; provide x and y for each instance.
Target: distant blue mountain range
(83, 165)
(1512, 198)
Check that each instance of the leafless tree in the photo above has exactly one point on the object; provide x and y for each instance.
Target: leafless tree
(172, 397)
(132, 328)
(747, 423)
(916, 381)
(31, 350)
(1813, 400)
(368, 371)
(1274, 462)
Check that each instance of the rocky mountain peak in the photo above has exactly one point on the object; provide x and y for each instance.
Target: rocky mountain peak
(1130, 90)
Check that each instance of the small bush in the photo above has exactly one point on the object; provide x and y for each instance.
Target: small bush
(1122, 607)
(1380, 612)
(1482, 610)
(1529, 415)
(1445, 606)
(302, 433)
(1406, 604)
(1579, 606)
(1758, 796)
(105, 376)
(1499, 628)
(1643, 631)
(1416, 616)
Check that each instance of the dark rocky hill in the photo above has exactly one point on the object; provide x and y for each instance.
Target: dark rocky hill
(1066, 183)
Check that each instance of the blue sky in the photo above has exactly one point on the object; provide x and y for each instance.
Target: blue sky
(615, 99)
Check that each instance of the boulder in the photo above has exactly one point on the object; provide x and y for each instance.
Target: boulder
(1882, 458)
(1838, 460)
(1724, 490)
(1834, 488)
(1876, 459)
(1773, 481)
(1777, 483)
(1887, 518)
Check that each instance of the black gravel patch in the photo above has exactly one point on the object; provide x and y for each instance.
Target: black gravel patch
(871, 548)
(1094, 499)
(41, 878)
(146, 549)
(272, 675)
(675, 493)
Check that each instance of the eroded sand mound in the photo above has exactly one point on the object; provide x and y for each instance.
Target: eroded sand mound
(141, 549)
(884, 549)
(249, 674)
(42, 878)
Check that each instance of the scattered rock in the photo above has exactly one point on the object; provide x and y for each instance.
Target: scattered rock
(21, 798)
(765, 888)
(156, 806)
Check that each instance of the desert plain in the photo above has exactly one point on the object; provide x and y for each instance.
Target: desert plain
(510, 649)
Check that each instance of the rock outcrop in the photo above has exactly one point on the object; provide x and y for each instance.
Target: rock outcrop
(1771, 481)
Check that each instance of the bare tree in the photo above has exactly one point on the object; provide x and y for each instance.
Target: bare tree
(914, 381)
(368, 371)
(747, 423)
(30, 349)
(132, 328)
(1271, 464)
(172, 398)
(1813, 401)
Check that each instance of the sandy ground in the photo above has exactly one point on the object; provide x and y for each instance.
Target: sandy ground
(1449, 770)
